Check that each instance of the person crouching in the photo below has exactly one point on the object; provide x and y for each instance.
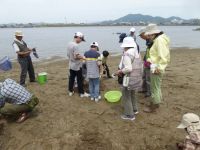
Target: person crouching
(21, 101)
(191, 123)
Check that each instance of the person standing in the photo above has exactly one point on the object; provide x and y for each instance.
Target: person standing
(131, 69)
(146, 74)
(24, 58)
(132, 33)
(159, 58)
(93, 71)
(75, 65)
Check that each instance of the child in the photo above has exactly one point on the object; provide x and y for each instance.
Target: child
(191, 123)
(104, 56)
(93, 73)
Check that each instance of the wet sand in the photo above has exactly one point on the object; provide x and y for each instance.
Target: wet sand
(61, 122)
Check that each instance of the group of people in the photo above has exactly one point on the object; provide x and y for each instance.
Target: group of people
(131, 68)
(133, 75)
(20, 102)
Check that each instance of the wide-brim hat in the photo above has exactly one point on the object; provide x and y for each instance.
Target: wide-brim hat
(152, 29)
(128, 42)
(141, 31)
(189, 119)
(18, 33)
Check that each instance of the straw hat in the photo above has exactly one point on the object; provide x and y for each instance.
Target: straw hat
(190, 119)
(18, 33)
(152, 29)
(128, 42)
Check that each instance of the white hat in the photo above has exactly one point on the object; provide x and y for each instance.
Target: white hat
(189, 119)
(128, 42)
(18, 33)
(152, 29)
(79, 34)
(94, 44)
(132, 30)
(142, 30)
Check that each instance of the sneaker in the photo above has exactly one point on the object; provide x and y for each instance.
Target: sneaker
(96, 100)
(71, 93)
(128, 117)
(136, 112)
(84, 95)
(99, 97)
(92, 98)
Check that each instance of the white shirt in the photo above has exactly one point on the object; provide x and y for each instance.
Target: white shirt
(15, 46)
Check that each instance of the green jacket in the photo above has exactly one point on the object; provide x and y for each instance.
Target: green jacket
(159, 53)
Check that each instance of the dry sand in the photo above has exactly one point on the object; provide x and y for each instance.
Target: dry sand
(61, 122)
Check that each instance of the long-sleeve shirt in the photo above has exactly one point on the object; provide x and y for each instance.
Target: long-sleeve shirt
(126, 61)
(192, 141)
(159, 53)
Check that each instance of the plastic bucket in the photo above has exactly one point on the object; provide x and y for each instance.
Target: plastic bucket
(42, 78)
(5, 64)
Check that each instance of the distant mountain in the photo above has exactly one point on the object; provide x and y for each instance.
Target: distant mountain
(139, 19)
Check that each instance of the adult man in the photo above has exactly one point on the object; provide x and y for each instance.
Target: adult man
(159, 57)
(146, 73)
(24, 58)
(132, 33)
(21, 102)
(75, 65)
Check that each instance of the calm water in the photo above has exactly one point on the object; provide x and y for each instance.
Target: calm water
(53, 41)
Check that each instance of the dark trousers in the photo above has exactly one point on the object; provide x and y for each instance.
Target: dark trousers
(26, 66)
(105, 66)
(146, 81)
(72, 76)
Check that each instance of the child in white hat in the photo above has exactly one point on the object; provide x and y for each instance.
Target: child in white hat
(191, 123)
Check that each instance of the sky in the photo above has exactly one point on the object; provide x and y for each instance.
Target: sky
(87, 11)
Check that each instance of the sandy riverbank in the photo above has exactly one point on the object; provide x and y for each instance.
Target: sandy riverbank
(61, 122)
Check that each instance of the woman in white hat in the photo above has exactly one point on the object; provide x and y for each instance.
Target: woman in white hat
(159, 57)
(131, 69)
(191, 123)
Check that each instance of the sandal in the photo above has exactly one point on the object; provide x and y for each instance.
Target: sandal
(22, 118)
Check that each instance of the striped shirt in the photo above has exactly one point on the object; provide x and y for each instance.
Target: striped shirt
(13, 93)
(92, 64)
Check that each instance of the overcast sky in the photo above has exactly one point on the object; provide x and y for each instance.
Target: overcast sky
(25, 11)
